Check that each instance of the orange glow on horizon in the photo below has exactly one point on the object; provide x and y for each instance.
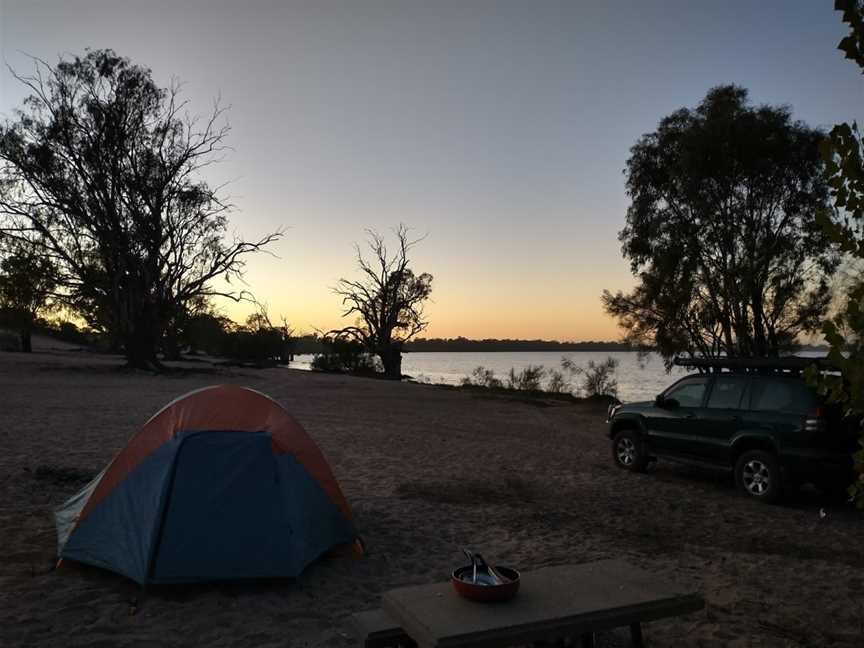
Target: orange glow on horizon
(452, 316)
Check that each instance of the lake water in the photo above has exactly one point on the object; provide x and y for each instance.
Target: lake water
(637, 379)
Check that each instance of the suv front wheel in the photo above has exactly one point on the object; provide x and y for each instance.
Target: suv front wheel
(757, 475)
(627, 451)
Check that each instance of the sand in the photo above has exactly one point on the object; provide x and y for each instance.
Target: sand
(427, 470)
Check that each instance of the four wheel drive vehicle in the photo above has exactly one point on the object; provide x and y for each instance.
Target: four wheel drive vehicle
(757, 418)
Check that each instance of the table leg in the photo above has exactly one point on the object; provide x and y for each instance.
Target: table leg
(636, 635)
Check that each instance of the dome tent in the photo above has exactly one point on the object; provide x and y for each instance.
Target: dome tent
(220, 484)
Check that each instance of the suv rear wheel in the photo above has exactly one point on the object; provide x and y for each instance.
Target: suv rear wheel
(757, 475)
(627, 451)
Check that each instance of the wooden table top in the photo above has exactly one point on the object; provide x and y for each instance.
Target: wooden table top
(566, 600)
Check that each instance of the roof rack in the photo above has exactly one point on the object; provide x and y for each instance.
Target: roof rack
(788, 364)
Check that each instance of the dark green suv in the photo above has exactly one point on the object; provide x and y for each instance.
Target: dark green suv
(758, 419)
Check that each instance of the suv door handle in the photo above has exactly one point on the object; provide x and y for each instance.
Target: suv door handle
(689, 415)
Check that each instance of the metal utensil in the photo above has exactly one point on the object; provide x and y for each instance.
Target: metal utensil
(502, 579)
(473, 564)
(488, 576)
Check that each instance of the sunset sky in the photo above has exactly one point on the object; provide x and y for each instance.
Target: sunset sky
(498, 129)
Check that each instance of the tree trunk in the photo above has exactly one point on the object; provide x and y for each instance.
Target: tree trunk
(141, 354)
(391, 358)
(171, 346)
(26, 341)
(115, 344)
(141, 344)
(759, 338)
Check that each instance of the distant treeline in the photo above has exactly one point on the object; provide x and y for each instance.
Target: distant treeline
(464, 344)
(312, 344)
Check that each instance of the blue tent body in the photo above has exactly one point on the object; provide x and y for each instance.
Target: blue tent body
(205, 506)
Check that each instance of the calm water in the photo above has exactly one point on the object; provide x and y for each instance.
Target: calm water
(636, 380)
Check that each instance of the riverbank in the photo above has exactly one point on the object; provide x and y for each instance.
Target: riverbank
(639, 378)
(427, 471)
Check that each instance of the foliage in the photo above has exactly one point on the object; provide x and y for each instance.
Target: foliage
(482, 377)
(27, 280)
(557, 382)
(65, 331)
(387, 301)
(104, 166)
(69, 332)
(598, 379)
(259, 341)
(720, 232)
(343, 354)
(206, 331)
(853, 43)
(309, 343)
(262, 347)
(529, 379)
(843, 152)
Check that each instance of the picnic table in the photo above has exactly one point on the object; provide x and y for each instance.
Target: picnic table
(552, 603)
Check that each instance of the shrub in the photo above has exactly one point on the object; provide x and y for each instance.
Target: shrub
(207, 332)
(529, 379)
(482, 377)
(342, 355)
(68, 332)
(258, 346)
(65, 331)
(598, 379)
(557, 382)
(257, 341)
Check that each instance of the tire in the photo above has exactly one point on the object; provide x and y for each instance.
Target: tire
(757, 475)
(628, 452)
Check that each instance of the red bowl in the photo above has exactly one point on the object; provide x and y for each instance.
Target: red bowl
(485, 593)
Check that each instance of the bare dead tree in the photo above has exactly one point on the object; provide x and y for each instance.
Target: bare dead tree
(387, 300)
(103, 167)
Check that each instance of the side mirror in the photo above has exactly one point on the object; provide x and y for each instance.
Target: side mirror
(665, 403)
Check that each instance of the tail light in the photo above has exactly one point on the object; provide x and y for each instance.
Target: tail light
(816, 420)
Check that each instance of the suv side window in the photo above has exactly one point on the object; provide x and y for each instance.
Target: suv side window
(689, 393)
(726, 392)
(781, 395)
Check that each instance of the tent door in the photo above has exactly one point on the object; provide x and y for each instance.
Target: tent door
(224, 516)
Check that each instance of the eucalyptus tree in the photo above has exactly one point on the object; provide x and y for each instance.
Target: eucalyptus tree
(720, 231)
(104, 167)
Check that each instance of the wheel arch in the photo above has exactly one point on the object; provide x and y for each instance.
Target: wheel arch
(625, 424)
(746, 442)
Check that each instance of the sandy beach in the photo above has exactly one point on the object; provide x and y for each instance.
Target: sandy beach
(427, 471)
